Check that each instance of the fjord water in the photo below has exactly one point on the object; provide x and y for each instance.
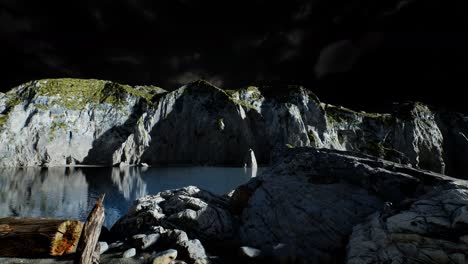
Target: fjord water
(67, 192)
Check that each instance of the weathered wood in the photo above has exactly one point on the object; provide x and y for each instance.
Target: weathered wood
(38, 237)
(86, 252)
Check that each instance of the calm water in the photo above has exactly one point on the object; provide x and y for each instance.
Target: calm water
(72, 192)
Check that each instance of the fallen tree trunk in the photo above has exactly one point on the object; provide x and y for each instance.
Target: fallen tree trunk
(86, 252)
(36, 237)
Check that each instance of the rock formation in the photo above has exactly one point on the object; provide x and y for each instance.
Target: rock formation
(69, 121)
(322, 206)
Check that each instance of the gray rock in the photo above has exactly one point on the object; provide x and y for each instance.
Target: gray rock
(284, 254)
(423, 233)
(250, 160)
(165, 257)
(179, 262)
(250, 252)
(312, 199)
(305, 207)
(199, 213)
(193, 251)
(117, 244)
(129, 253)
(144, 241)
(103, 247)
(175, 237)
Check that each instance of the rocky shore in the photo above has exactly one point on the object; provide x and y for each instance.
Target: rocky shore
(313, 206)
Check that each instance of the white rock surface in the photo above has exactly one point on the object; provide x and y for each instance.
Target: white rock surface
(165, 257)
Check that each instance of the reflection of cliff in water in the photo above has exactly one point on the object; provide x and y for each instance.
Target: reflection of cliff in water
(72, 192)
(35, 192)
(121, 186)
(129, 182)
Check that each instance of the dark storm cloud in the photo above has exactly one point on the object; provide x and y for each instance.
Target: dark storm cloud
(238, 43)
(303, 11)
(13, 24)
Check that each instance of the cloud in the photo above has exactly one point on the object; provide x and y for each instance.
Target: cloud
(127, 59)
(295, 37)
(288, 55)
(176, 62)
(303, 12)
(13, 24)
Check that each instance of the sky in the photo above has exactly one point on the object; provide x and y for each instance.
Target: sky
(363, 54)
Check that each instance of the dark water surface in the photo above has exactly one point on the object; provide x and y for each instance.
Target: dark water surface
(72, 192)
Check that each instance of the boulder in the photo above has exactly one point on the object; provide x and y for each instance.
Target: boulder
(249, 252)
(197, 212)
(144, 241)
(129, 253)
(103, 247)
(312, 199)
(193, 251)
(431, 229)
(165, 257)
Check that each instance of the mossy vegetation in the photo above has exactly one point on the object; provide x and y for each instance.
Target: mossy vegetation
(56, 126)
(202, 86)
(345, 115)
(41, 107)
(374, 148)
(3, 120)
(289, 146)
(312, 138)
(76, 94)
(340, 114)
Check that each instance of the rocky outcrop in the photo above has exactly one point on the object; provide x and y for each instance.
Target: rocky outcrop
(312, 200)
(70, 121)
(199, 213)
(322, 206)
(431, 229)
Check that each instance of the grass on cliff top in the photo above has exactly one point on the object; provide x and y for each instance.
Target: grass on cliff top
(75, 94)
(202, 86)
(343, 114)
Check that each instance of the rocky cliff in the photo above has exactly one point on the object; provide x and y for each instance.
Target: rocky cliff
(71, 121)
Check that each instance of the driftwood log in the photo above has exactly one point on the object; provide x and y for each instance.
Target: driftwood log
(86, 252)
(38, 237)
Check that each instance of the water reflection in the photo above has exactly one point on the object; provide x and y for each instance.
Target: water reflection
(61, 192)
(129, 182)
(72, 192)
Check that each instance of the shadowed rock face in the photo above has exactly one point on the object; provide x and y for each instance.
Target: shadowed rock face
(70, 121)
(325, 206)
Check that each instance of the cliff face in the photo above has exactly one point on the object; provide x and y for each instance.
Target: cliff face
(70, 121)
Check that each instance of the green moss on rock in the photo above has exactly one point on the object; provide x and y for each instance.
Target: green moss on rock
(312, 138)
(374, 148)
(3, 120)
(56, 126)
(202, 86)
(41, 107)
(76, 94)
(340, 114)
